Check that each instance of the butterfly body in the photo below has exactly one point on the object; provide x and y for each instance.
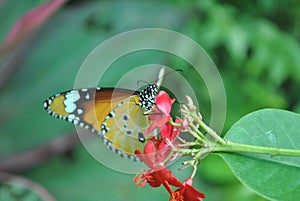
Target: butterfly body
(119, 116)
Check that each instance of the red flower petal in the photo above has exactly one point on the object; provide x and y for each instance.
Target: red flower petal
(160, 114)
(163, 151)
(156, 177)
(164, 102)
(158, 120)
(169, 131)
(139, 180)
(152, 179)
(166, 131)
(148, 156)
(184, 123)
(188, 193)
(163, 176)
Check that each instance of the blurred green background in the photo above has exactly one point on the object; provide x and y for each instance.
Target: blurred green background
(254, 44)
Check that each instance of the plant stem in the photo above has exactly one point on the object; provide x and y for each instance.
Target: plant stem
(199, 133)
(218, 144)
(236, 147)
(208, 129)
(174, 124)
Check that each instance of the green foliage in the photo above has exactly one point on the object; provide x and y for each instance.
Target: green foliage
(10, 192)
(251, 51)
(254, 45)
(274, 177)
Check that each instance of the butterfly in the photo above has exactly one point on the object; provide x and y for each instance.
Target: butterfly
(118, 115)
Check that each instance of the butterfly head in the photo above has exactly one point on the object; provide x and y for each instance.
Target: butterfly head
(147, 96)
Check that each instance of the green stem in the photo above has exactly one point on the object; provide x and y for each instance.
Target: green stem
(236, 147)
(187, 151)
(208, 129)
(174, 124)
(199, 133)
(194, 171)
(196, 135)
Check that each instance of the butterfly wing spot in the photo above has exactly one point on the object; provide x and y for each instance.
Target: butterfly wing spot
(133, 122)
(125, 117)
(73, 107)
(79, 111)
(47, 103)
(141, 137)
(62, 105)
(110, 115)
(72, 95)
(104, 129)
(87, 96)
(73, 119)
(70, 100)
(126, 127)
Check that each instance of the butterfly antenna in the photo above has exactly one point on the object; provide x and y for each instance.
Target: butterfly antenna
(162, 74)
(142, 81)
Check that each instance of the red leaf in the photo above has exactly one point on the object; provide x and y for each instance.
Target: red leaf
(28, 23)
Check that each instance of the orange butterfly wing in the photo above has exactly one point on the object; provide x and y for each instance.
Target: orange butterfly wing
(91, 104)
(115, 114)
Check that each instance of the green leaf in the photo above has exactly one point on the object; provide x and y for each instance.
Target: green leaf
(274, 177)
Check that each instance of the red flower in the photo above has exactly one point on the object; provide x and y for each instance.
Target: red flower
(169, 131)
(158, 174)
(157, 152)
(148, 155)
(161, 113)
(187, 192)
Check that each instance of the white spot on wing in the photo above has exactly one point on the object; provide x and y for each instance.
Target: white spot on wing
(79, 111)
(74, 95)
(87, 96)
(70, 107)
(71, 117)
(71, 98)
